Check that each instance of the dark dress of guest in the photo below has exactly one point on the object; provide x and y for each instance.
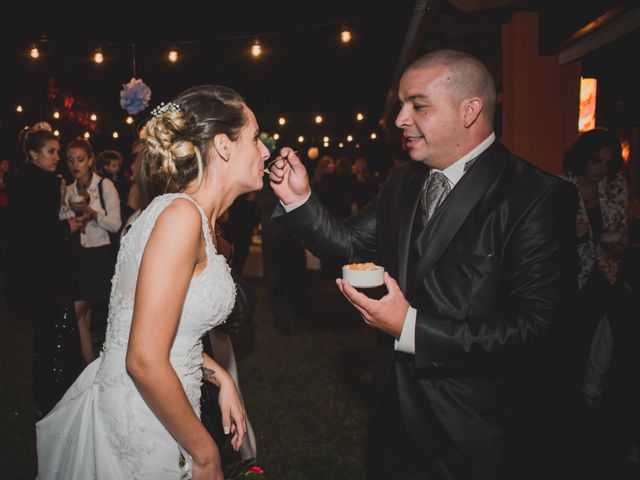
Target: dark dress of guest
(37, 244)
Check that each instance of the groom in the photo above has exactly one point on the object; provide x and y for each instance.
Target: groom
(478, 246)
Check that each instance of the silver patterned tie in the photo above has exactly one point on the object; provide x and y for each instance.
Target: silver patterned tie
(435, 191)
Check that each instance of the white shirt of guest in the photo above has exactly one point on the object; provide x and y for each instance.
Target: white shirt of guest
(107, 220)
(453, 173)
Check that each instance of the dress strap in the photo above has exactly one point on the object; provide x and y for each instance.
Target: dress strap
(206, 231)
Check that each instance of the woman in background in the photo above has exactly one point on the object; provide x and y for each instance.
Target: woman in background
(91, 253)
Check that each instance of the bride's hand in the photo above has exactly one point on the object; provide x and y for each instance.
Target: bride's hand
(233, 416)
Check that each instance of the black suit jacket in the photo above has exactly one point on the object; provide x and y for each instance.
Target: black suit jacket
(490, 276)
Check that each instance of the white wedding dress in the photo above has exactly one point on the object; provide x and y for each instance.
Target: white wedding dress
(102, 428)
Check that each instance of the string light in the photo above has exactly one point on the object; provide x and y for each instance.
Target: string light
(56, 133)
(341, 145)
(276, 136)
(300, 139)
(359, 117)
(326, 144)
(325, 139)
(318, 119)
(282, 121)
(86, 135)
(129, 120)
(349, 138)
(98, 56)
(173, 55)
(19, 109)
(56, 115)
(93, 117)
(374, 136)
(34, 52)
(256, 48)
(115, 134)
(345, 35)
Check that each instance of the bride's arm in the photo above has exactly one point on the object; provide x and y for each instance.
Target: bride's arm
(166, 269)
(233, 416)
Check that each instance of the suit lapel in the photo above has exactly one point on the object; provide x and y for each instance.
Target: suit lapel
(409, 199)
(447, 220)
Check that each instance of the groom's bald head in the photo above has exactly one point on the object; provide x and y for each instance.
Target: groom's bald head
(466, 76)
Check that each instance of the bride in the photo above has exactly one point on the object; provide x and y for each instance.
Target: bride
(134, 412)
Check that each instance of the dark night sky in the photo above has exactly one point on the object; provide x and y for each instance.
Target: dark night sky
(303, 71)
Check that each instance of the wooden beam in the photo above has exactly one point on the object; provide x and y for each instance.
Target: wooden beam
(611, 31)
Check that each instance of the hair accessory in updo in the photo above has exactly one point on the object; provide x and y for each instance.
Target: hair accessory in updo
(164, 108)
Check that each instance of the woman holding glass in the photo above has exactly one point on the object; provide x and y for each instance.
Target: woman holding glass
(91, 265)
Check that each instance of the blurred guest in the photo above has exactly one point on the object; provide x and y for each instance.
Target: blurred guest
(91, 252)
(109, 165)
(36, 272)
(243, 217)
(366, 184)
(285, 265)
(593, 165)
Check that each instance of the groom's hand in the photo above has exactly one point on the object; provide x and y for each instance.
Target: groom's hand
(288, 177)
(386, 314)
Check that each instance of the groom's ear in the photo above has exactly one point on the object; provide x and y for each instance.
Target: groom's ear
(472, 108)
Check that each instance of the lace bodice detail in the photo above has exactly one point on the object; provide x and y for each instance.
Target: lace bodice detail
(208, 302)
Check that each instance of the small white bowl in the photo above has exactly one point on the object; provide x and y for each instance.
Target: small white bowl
(363, 278)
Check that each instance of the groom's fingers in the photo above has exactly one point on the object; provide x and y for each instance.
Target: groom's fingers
(359, 300)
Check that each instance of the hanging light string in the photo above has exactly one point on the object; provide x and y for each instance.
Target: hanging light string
(133, 58)
(340, 23)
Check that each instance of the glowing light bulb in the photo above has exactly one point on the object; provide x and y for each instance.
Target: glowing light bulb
(115, 134)
(345, 35)
(129, 120)
(374, 136)
(56, 115)
(318, 119)
(359, 117)
(34, 53)
(276, 136)
(349, 138)
(256, 49)
(93, 117)
(282, 121)
(173, 56)
(98, 56)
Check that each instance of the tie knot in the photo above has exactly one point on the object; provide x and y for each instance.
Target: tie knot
(436, 189)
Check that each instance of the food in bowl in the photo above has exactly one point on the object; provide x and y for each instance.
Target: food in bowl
(363, 275)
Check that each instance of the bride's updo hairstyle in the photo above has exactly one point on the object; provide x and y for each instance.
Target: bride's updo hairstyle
(177, 139)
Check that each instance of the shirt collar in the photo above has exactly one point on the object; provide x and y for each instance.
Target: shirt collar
(455, 171)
